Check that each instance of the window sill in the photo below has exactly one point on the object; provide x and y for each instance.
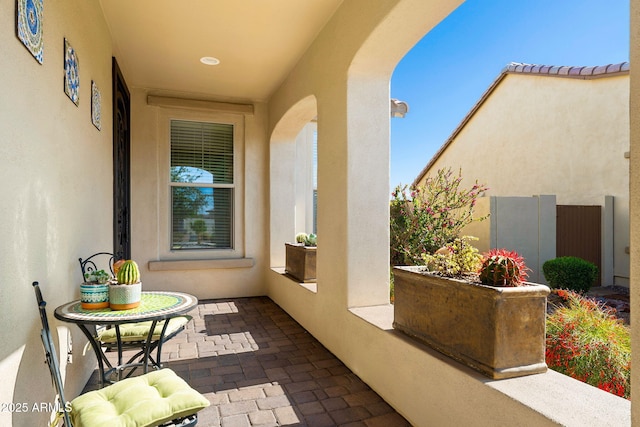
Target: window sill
(201, 264)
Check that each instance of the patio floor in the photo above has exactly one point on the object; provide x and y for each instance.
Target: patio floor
(259, 367)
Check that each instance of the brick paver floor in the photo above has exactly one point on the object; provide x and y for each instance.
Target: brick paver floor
(259, 367)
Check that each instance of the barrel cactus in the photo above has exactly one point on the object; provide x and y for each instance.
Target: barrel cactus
(128, 273)
(503, 268)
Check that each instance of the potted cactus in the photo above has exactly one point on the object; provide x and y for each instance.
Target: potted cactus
(125, 291)
(301, 258)
(94, 292)
(487, 317)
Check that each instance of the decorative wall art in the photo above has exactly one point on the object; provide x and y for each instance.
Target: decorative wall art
(29, 26)
(95, 105)
(71, 76)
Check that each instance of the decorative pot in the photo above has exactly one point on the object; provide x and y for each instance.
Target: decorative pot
(499, 331)
(125, 297)
(94, 296)
(301, 262)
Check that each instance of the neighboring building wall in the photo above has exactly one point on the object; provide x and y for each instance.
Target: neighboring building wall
(537, 134)
(56, 173)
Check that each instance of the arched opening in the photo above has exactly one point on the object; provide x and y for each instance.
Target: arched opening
(292, 184)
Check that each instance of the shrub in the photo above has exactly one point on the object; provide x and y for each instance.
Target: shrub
(587, 342)
(454, 259)
(427, 217)
(571, 273)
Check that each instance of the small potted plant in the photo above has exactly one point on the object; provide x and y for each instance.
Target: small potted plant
(125, 291)
(94, 292)
(301, 257)
(477, 310)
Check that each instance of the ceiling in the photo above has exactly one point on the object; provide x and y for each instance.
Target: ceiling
(158, 43)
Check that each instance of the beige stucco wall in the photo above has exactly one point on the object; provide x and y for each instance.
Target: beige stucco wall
(550, 135)
(353, 186)
(56, 173)
(150, 203)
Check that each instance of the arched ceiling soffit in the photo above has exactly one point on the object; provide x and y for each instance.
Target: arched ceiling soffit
(296, 117)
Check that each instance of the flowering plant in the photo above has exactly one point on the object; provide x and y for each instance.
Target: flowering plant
(427, 217)
(454, 259)
(587, 342)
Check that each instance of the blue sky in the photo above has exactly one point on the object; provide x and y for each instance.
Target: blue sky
(444, 75)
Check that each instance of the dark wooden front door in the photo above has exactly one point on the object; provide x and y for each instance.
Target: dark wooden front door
(578, 233)
(121, 167)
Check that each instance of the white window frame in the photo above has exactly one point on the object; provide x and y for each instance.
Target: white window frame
(164, 202)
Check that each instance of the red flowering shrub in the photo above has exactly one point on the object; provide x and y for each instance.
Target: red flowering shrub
(587, 342)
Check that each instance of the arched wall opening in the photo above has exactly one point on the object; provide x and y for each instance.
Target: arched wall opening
(289, 163)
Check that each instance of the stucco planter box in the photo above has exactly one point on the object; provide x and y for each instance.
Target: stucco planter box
(301, 262)
(497, 331)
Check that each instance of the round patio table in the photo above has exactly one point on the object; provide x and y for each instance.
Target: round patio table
(155, 306)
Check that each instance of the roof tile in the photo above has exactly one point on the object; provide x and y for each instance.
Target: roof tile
(564, 70)
(614, 68)
(602, 69)
(587, 71)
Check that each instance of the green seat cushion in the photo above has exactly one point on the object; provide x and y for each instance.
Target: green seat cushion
(130, 332)
(147, 400)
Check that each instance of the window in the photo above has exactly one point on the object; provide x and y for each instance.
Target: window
(202, 185)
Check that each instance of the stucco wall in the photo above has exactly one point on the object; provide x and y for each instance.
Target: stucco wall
(150, 148)
(550, 135)
(56, 173)
(349, 311)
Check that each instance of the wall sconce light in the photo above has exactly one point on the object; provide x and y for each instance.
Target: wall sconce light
(399, 108)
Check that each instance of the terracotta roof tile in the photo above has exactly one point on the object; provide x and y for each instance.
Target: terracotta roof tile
(567, 71)
(614, 68)
(602, 69)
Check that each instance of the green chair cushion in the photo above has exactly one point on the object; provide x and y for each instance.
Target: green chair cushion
(130, 332)
(147, 400)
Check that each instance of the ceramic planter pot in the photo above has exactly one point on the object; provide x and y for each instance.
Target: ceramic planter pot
(301, 262)
(499, 331)
(125, 297)
(94, 296)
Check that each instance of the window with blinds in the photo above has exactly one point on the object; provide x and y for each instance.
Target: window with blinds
(202, 185)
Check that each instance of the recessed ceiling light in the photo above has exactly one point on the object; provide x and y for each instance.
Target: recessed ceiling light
(209, 60)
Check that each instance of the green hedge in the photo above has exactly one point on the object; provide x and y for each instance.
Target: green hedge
(571, 273)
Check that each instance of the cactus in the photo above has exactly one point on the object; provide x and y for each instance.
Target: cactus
(307, 239)
(128, 273)
(503, 268)
(311, 240)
